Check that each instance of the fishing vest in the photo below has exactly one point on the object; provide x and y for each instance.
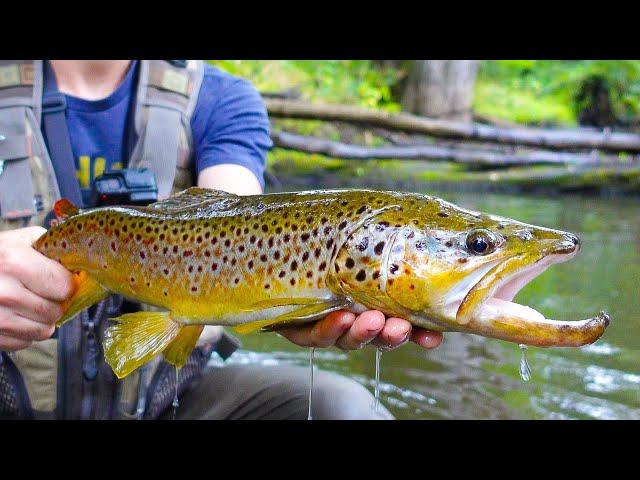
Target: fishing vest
(66, 376)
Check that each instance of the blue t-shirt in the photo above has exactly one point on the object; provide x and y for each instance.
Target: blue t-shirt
(229, 125)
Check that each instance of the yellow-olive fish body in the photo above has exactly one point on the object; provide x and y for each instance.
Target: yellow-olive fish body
(267, 261)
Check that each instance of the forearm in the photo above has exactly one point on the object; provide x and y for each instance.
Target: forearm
(230, 178)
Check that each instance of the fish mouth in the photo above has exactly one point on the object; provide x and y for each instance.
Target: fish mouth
(483, 303)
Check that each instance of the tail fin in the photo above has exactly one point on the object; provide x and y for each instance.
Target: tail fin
(136, 338)
(63, 208)
(87, 292)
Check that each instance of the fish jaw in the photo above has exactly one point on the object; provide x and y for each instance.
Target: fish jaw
(487, 308)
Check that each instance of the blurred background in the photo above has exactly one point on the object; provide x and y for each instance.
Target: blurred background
(550, 142)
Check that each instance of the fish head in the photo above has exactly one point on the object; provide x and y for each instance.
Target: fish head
(460, 270)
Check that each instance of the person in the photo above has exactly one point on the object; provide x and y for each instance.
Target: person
(223, 138)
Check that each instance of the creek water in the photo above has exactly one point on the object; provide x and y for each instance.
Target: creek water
(470, 377)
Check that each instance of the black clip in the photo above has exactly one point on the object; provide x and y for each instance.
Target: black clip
(53, 102)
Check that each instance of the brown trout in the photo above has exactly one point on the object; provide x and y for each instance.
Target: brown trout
(266, 261)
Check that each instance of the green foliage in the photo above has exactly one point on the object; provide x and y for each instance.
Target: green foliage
(546, 91)
(352, 82)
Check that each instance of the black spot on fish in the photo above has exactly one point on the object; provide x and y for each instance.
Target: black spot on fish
(322, 266)
(379, 248)
(294, 265)
(364, 243)
(305, 236)
(361, 209)
(282, 274)
(361, 275)
(443, 214)
(393, 268)
(305, 256)
(349, 263)
(342, 225)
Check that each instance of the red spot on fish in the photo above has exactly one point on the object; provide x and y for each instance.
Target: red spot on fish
(187, 253)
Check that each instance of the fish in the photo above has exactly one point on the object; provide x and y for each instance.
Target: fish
(272, 261)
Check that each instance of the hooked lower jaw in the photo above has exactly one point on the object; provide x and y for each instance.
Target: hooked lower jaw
(487, 309)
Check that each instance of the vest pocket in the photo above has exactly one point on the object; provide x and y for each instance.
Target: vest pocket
(14, 400)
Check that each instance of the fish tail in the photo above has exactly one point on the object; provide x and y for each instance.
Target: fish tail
(87, 292)
(138, 337)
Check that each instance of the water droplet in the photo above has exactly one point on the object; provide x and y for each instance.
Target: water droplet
(311, 353)
(525, 369)
(376, 390)
(176, 402)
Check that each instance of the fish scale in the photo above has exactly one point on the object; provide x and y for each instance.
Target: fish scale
(267, 261)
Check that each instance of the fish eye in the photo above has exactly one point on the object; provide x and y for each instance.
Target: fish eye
(481, 242)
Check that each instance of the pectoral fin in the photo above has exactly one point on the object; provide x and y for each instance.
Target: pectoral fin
(303, 311)
(136, 338)
(87, 292)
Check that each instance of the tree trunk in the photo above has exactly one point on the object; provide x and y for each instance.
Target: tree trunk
(441, 88)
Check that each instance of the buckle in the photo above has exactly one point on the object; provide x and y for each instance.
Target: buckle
(53, 103)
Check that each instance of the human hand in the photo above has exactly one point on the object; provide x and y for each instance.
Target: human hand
(31, 287)
(349, 331)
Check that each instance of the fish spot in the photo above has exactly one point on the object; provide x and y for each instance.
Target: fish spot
(463, 260)
(276, 254)
(361, 275)
(342, 225)
(263, 257)
(214, 266)
(376, 274)
(316, 253)
(393, 268)
(292, 281)
(142, 255)
(330, 243)
(305, 256)
(443, 214)
(449, 243)
(305, 236)
(294, 265)
(322, 266)
(361, 209)
(282, 274)
(364, 243)
(241, 248)
(349, 263)
(379, 248)
(252, 239)
(267, 286)
(236, 281)
(175, 249)
(250, 264)
(265, 228)
(227, 243)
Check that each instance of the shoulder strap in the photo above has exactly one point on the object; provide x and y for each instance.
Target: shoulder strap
(165, 99)
(54, 122)
(20, 90)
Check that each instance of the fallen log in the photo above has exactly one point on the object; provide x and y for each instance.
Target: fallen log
(481, 158)
(536, 137)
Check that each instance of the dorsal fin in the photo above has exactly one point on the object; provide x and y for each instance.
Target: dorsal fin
(63, 209)
(191, 197)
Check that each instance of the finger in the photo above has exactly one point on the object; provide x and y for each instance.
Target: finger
(396, 331)
(16, 326)
(11, 344)
(364, 329)
(14, 296)
(426, 338)
(21, 236)
(43, 276)
(322, 333)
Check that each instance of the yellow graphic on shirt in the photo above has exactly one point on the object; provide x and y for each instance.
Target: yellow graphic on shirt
(85, 166)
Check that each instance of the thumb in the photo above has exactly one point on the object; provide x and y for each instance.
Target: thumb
(22, 236)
